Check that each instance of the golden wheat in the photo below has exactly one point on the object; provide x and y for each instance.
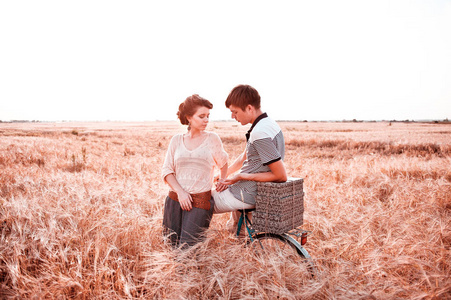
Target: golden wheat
(81, 211)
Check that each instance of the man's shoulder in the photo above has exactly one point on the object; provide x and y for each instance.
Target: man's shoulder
(265, 128)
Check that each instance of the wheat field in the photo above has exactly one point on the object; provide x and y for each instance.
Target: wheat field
(81, 212)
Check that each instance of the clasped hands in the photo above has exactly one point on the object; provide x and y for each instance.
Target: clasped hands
(223, 184)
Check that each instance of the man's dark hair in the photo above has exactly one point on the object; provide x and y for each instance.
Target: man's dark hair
(242, 95)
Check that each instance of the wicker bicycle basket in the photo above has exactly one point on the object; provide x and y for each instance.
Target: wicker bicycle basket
(279, 206)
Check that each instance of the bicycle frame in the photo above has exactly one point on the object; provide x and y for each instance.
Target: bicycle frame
(254, 235)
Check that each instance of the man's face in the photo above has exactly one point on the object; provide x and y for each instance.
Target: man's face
(244, 117)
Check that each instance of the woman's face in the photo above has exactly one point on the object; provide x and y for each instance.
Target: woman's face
(199, 120)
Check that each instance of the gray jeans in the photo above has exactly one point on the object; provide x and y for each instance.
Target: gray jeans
(185, 228)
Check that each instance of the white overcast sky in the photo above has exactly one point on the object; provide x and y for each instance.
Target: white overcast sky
(310, 60)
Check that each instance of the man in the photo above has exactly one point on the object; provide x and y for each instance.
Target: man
(262, 160)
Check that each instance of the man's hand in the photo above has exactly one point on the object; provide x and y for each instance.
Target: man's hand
(234, 179)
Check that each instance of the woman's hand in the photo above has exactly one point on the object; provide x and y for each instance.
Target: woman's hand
(220, 186)
(185, 200)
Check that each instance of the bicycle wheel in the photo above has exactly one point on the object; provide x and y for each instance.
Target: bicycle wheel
(285, 250)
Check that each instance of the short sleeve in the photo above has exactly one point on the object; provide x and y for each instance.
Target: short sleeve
(219, 155)
(169, 163)
(267, 150)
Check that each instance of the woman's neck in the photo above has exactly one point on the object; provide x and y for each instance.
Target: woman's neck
(193, 133)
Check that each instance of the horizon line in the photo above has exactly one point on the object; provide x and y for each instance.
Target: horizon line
(445, 120)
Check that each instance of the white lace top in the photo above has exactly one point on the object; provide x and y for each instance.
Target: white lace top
(194, 169)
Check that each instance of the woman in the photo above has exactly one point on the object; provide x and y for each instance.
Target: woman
(188, 169)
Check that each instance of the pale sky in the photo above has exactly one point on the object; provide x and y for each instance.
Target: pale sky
(310, 60)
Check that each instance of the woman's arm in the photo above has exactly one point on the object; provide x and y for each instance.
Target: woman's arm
(184, 197)
(219, 185)
(235, 166)
(224, 171)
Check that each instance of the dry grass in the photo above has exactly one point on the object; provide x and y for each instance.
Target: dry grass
(81, 212)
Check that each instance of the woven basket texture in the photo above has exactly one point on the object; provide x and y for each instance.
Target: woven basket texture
(275, 204)
(279, 206)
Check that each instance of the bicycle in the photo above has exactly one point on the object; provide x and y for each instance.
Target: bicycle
(267, 242)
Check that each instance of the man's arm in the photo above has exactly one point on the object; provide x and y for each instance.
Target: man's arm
(237, 164)
(277, 174)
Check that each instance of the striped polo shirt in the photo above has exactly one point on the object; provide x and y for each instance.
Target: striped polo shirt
(265, 145)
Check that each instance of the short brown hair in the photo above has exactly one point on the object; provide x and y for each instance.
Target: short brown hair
(242, 95)
(189, 107)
